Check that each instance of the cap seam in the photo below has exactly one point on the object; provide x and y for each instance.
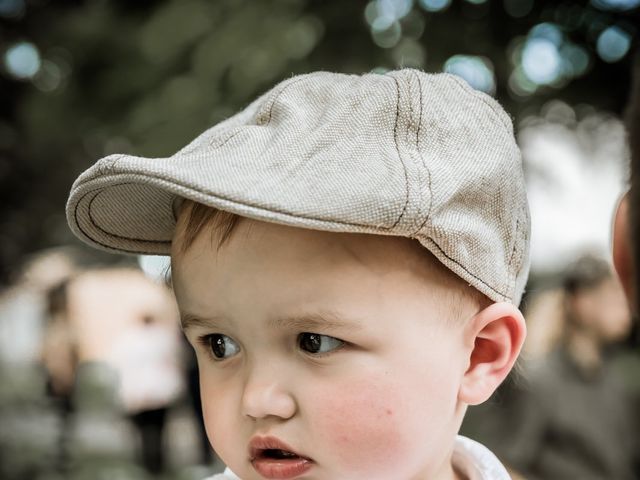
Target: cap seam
(408, 129)
(110, 247)
(93, 222)
(418, 140)
(275, 99)
(395, 141)
(504, 295)
(99, 189)
(221, 143)
(515, 242)
(107, 165)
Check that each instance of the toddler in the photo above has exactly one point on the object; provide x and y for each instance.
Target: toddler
(348, 254)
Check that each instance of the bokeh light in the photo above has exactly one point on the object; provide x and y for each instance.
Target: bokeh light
(435, 5)
(49, 76)
(388, 37)
(409, 53)
(619, 5)
(576, 59)
(541, 61)
(413, 25)
(477, 71)
(548, 31)
(22, 60)
(613, 44)
(12, 8)
(395, 9)
(520, 84)
(545, 57)
(382, 14)
(518, 8)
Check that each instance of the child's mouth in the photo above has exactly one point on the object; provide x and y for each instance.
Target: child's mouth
(272, 459)
(278, 454)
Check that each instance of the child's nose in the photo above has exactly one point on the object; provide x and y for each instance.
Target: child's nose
(267, 397)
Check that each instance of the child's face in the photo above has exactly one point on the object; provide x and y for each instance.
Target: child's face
(338, 345)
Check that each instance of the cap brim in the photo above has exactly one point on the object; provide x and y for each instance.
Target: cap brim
(128, 204)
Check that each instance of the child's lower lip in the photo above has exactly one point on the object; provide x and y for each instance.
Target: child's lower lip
(275, 468)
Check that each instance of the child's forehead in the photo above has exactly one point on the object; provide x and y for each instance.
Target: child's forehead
(317, 269)
(285, 278)
(307, 245)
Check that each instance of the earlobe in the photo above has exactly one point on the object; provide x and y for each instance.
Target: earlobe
(622, 255)
(495, 336)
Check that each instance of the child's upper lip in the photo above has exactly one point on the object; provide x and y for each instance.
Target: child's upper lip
(260, 443)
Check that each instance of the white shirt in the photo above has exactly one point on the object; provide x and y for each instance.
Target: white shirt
(471, 459)
(476, 462)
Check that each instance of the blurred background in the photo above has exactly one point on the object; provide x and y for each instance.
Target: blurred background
(96, 382)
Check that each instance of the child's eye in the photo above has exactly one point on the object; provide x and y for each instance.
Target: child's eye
(316, 343)
(220, 345)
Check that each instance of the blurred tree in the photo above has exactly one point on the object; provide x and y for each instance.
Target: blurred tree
(82, 79)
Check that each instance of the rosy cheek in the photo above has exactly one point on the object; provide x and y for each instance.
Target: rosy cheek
(217, 422)
(362, 425)
(211, 423)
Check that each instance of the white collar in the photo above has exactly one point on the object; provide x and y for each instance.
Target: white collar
(476, 461)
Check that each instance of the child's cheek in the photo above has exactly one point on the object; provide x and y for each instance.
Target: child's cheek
(360, 426)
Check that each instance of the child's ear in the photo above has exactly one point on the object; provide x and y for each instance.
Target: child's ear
(495, 336)
(622, 260)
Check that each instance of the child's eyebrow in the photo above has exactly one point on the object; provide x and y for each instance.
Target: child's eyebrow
(315, 321)
(189, 320)
(305, 322)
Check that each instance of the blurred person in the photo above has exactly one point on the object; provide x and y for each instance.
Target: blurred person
(574, 417)
(626, 231)
(348, 272)
(60, 360)
(126, 321)
(32, 422)
(544, 314)
(23, 306)
(59, 346)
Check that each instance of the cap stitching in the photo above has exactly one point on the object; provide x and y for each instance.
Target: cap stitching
(99, 189)
(407, 127)
(516, 236)
(418, 139)
(463, 268)
(93, 222)
(108, 163)
(276, 97)
(219, 143)
(110, 247)
(412, 153)
(395, 141)
(515, 241)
